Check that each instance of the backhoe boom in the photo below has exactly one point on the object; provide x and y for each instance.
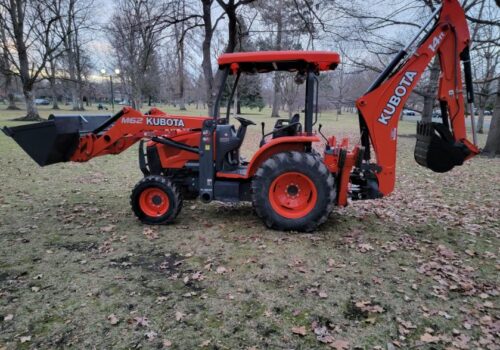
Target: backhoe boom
(382, 105)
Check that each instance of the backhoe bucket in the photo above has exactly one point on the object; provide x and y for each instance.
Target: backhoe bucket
(55, 140)
(436, 148)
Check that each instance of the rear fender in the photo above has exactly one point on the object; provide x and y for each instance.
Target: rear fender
(278, 145)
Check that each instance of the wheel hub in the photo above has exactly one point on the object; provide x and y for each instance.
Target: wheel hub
(293, 195)
(154, 202)
(292, 190)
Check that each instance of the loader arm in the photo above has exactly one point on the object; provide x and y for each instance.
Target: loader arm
(79, 138)
(130, 126)
(439, 147)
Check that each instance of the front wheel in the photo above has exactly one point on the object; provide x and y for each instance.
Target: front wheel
(156, 200)
(293, 191)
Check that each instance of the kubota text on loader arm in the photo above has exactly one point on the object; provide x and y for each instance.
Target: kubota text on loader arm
(290, 185)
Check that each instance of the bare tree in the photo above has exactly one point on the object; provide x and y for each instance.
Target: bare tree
(50, 71)
(135, 34)
(29, 25)
(230, 11)
(184, 23)
(5, 69)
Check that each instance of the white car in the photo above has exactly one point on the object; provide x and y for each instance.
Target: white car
(42, 101)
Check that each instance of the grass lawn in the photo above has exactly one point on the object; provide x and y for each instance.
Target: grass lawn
(418, 269)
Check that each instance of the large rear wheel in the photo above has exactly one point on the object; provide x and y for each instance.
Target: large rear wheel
(156, 200)
(293, 191)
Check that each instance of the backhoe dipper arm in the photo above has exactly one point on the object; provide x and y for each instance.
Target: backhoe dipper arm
(382, 105)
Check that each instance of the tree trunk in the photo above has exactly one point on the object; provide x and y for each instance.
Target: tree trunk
(53, 91)
(11, 98)
(179, 31)
(480, 121)
(430, 91)
(12, 102)
(232, 26)
(52, 83)
(5, 67)
(290, 110)
(276, 96)
(207, 60)
(31, 110)
(277, 76)
(492, 147)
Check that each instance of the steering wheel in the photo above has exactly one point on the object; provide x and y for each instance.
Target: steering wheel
(244, 122)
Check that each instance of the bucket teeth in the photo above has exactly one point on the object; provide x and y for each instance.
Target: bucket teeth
(422, 144)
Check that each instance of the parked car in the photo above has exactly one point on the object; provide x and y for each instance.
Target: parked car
(42, 101)
(487, 112)
(409, 112)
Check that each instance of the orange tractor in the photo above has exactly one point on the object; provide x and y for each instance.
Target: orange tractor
(291, 186)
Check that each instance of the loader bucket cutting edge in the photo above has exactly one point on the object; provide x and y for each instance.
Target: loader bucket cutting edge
(436, 149)
(55, 140)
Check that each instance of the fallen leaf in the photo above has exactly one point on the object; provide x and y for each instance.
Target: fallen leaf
(445, 252)
(25, 339)
(429, 338)
(161, 299)
(323, 295)
(8, 317)
(150, 233)
(205, 343)
(179, 316)
(35, 289)
(142, 321)
(167, 343)
(197, 276)
(299, 330)
(221, 269)
(367, 306)
(151, 335)
(108, 228)
(339, 344)
(113, 319)
(365, 247)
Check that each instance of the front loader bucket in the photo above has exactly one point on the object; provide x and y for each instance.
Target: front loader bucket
(436, 148)
(53, 141)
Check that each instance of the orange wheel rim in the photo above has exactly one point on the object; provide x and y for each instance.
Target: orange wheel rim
(154, 202)
(293, 195)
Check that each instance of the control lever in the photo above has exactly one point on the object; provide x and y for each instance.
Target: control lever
(322, 135)
(263, 127)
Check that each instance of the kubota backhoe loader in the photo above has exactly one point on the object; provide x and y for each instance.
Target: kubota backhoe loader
(291, 186)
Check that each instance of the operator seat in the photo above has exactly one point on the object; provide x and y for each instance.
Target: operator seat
(228, 143)
(287, 127)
